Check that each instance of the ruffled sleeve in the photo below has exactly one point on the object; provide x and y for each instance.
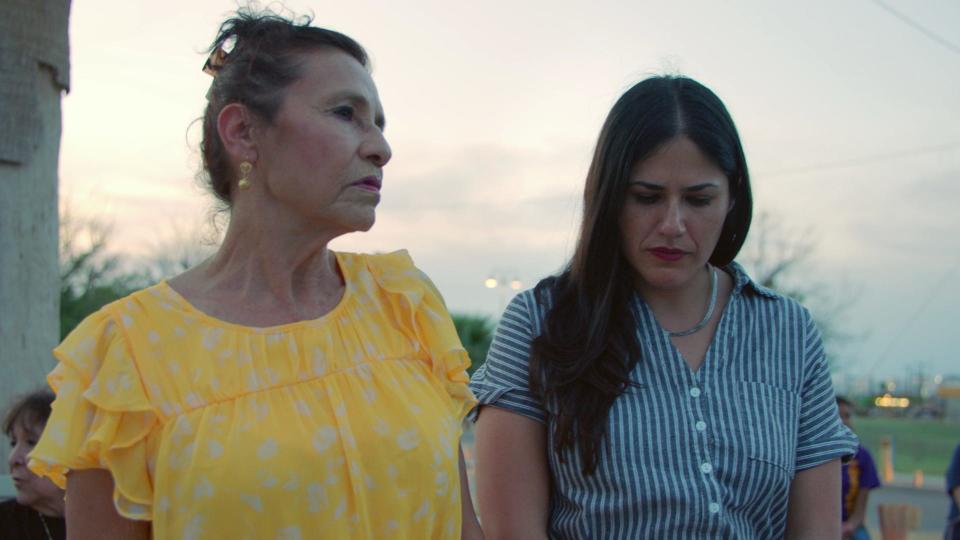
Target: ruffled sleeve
(101, 418)
(424, 315)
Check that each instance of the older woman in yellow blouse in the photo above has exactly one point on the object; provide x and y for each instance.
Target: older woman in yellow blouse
(279, 389)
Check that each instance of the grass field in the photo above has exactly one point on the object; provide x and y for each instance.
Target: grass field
(926, 445)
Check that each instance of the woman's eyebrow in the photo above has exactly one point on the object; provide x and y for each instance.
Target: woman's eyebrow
(659, 187)
(703, 186)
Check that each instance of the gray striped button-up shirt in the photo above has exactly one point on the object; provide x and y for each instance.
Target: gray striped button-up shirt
(689, 454)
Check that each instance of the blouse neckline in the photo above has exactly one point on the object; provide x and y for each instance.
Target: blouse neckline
(215, 321)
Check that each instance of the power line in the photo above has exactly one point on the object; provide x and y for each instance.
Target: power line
(856, 162)
(918, 27)
(907, 323)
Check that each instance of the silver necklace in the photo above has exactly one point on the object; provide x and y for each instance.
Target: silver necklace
(45, 528)
(706, 316)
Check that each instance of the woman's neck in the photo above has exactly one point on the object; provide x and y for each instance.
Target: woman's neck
(680, 308)
(269, 267)
(51, 507)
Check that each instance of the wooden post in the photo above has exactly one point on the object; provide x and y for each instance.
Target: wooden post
(886, 459)
(918, 478)
(896, 520)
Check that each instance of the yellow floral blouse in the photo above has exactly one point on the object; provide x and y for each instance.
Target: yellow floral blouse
(342, 427)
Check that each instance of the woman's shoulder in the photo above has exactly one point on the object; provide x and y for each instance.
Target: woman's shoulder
(10, 508)
(22, 522)
(102, 323)
(391, 266)
(746, 286)
(394, 273)
(776, 312)
(145, 308)
(155, 295)
(399, 258)
(12, 515)
(527, 310)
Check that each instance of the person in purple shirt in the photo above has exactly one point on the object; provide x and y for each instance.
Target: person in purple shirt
(953, 491)
(858, 477)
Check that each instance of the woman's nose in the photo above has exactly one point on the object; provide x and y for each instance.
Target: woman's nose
(672, 224)
(18, 455)
(377, 149)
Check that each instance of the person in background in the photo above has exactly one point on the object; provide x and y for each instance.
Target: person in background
(952, 531)
(37, 511)
(652, 389)
(278, 389)
(858, 477)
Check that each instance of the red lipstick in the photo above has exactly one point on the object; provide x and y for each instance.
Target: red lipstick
(667, 254)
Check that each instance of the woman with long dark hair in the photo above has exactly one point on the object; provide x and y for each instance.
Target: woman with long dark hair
(652, 389)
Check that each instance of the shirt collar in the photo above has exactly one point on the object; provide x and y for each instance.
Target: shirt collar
(742, 282)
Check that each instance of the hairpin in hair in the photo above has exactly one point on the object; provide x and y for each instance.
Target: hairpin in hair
(219, 56)
(214, 62)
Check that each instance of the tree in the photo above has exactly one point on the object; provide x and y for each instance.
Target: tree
(180, 249)
(90, 276)
(777, 257)
(476, 333)
(34, 71)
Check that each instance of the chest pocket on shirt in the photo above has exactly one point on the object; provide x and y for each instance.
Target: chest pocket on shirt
(772, 432)
(768, 433)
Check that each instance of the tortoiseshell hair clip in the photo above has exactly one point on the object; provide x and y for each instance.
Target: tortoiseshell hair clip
(219, 56)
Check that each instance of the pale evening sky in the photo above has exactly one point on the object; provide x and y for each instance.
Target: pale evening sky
(849, 117)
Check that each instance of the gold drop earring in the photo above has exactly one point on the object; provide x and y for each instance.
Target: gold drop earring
(245, 168)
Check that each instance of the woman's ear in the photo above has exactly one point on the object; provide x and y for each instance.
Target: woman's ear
(235, 126)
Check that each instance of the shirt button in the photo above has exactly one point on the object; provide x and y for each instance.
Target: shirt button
(706, 468)
(694, 392)
(714, 508)
(701, 425)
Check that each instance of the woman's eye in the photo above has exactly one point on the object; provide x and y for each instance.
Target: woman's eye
(346, 112)
(699, 201)
(645, 198)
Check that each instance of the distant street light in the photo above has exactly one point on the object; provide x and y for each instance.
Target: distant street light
(503, 285)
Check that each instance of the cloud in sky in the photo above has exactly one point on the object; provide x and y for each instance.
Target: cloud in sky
(493, 110)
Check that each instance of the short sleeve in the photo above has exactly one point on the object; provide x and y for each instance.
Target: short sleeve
(869, 479)
(503, 380)
(821, 436)
(425, 315)
(101, 418)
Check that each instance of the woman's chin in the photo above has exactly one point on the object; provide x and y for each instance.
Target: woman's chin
(367, 225)
(362, 222)
(25, 497)
(664, 279)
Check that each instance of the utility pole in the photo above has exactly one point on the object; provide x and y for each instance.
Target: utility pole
(34, 72)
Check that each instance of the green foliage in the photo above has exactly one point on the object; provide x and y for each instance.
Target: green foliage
(89, 277)
(476, 333)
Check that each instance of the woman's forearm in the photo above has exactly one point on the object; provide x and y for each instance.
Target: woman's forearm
(470, 526)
